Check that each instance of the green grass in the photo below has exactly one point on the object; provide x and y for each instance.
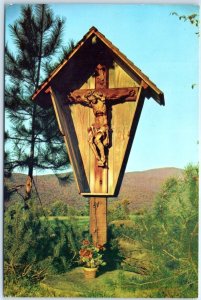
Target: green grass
(81, 220)
(84, 219)
(111, 284)
(73, 284)
(135, 217)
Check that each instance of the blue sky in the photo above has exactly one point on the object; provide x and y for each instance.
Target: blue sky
(166, 50)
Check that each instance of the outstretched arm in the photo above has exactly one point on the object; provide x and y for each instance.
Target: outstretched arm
(75, 97)
(121, 93)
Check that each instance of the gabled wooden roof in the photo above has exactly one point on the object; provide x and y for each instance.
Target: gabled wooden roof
(42, 99)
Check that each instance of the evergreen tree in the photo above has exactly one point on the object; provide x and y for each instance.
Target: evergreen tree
(167, 235)
(34, 245)
(34, 138)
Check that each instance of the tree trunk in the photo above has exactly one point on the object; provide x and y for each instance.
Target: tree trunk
(32, 147)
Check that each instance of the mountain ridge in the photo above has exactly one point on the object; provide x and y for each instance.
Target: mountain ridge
(138, 187)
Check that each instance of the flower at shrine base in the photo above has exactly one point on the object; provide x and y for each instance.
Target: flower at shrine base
(91, 256)
(85, 242)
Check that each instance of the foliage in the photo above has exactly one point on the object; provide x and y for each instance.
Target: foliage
(113, 250)
(168, 238)
(50, 67)
(35, 247)
(33, 138)
(61, 209)
(159, 248)
(90, 255)
(21, 287)
(118, 210)
(193, 19)
(58, 208)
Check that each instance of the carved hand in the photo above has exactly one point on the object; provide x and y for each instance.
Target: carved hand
(72, 98)
(131, 93)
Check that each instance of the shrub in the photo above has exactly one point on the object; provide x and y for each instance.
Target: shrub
(167, 239)
(58, 208)
(118, 210)
(34, 246)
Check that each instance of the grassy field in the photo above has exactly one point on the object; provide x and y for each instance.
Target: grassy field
(81, 220)
(73, 284)
(111, 284)
(84, 220)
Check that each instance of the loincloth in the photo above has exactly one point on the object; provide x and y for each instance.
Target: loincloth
(95, 129)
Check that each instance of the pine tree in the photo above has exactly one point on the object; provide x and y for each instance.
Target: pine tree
(167, 234)
(34, 139)
(34, 245)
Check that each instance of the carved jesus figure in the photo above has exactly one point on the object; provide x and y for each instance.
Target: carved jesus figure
(99, 130)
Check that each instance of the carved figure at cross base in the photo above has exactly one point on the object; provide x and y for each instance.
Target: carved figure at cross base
(99, 131)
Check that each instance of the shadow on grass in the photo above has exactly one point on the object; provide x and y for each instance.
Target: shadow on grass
(112, 255)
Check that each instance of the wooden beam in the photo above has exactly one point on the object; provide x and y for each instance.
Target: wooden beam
(98, 220)
(111, 94)
(67, 129)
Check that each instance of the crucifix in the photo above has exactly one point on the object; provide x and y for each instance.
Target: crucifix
(99, 100)
(97, 94)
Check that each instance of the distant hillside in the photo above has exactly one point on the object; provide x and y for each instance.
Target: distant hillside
(139, 188)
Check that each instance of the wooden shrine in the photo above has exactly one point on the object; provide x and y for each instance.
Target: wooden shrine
(98, 95)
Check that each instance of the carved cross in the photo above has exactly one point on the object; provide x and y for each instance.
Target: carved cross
(99, 99)
(110, 136)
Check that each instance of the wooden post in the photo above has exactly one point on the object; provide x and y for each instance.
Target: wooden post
(98, 220)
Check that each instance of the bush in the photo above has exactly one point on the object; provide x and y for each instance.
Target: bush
(22, 287)
(34, 246)
(58, 208)
(118, 210)
(166, 238)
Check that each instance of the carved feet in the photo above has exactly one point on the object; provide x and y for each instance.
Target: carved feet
(101, 163)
